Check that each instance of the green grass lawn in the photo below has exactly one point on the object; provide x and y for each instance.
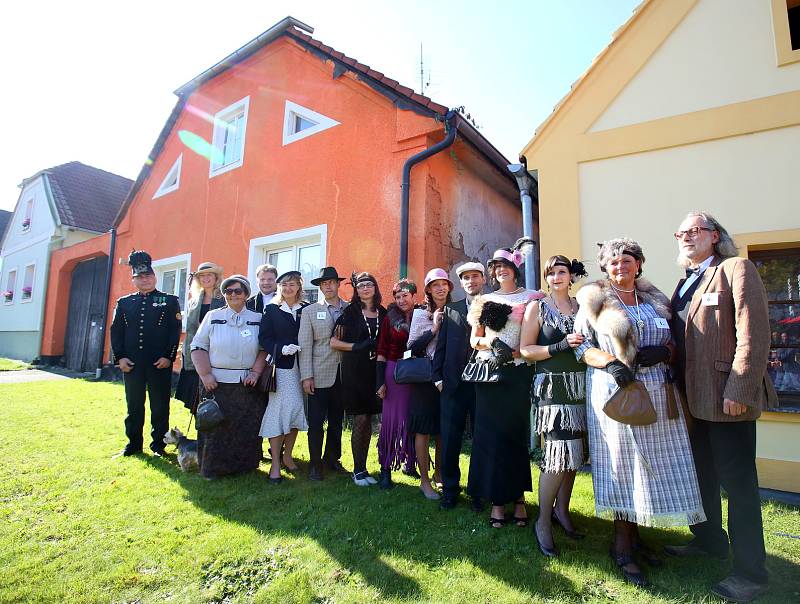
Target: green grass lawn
(12, 364)
(78, 526)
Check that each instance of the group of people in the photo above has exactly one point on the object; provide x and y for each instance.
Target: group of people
(701, 356)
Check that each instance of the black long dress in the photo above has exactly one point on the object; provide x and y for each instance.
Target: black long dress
(358, 368)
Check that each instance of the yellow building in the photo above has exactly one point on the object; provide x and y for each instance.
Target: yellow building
(695, 104)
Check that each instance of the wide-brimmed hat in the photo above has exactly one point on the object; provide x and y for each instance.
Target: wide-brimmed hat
(241, 279)
(325, 273)
(435, 274)
(208, 267)
(514, 258)
(470, 266)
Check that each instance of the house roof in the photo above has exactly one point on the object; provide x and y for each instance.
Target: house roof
(86, 197)
(5, 218)
(402, 96)
(582, 78)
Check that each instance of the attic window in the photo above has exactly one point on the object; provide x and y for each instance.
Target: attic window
(26, 220)
(786, 29)
(172, 180)
(300, 122)
(230, 126)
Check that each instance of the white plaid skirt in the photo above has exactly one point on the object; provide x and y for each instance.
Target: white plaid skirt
(643, 474)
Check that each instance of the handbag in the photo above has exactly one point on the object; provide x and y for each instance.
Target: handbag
(413, 370)
(631, 405)
(209, 415)
(267, 381)
(479, 372)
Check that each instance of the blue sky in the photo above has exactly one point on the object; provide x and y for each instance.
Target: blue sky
(93, 81)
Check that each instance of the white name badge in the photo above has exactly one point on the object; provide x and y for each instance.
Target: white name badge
(246, 333)
(407, 354)
(661, 323)
(710, 299)
(322, 315)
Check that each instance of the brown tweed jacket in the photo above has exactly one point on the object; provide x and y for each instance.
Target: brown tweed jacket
(727, 342)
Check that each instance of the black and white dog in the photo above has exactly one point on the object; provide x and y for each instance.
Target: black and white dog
(187, 449)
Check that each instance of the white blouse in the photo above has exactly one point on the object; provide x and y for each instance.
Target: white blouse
(231, 340)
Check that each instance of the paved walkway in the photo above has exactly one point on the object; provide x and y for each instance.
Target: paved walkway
(29, 375)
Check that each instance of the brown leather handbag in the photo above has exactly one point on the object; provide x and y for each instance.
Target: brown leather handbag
(631, 405)
(266, 381)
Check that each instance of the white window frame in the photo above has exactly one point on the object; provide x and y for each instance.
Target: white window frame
(28, 215)
(221, 119)
(174, 171)
(259, 247)
(22, 298)
(178, 262)
(293, 110)
(14, 286)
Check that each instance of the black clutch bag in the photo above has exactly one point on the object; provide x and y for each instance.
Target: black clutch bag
(209, 415)
(415, 370)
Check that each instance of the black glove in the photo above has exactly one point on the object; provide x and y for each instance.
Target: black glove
(561, 346)
(502, 352)
(368, 344)
(380, 374)
(620, 372)
(652, 355)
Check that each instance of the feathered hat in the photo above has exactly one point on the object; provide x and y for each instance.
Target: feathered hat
(140, 263)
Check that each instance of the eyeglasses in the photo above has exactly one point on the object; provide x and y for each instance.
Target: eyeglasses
(691, 233)
(233, 291)
(365, 285)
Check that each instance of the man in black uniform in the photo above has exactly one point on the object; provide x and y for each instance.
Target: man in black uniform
(144, 338)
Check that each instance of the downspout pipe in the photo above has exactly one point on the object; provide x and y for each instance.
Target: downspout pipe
(112, 246)
(405, 188)
(525, 183)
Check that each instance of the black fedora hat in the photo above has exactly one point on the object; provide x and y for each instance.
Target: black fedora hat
(325, 273)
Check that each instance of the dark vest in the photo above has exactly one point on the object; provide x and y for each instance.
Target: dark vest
(680, 314)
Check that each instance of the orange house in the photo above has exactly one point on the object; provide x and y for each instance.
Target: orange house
(292, 153)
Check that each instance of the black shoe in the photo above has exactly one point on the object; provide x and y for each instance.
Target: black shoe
(738, 589)
(336, 466)
(448, 502)
(476, 505)
(385, 481)
(646, 555)
(575, 535)
(692, 549)
(315, 471)
(550, 552)
(622, 560)
(411, 472)
(278, 480)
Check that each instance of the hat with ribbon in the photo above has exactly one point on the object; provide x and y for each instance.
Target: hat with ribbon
(435, 274)
(326, 273)
(502, 255)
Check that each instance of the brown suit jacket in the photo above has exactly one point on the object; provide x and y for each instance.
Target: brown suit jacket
(727, 342)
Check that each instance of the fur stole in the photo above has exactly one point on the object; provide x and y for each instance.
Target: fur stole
(606, 314)
(495, 315)
(397, 318)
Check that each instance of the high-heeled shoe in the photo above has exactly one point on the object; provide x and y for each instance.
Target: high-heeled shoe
(622, 560)
(520, 521)
(550, 552)
(575, 535)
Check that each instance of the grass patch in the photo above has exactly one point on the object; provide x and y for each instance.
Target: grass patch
(78, 526)
(12, 364)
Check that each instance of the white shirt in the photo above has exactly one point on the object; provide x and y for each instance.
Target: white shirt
(691, 279)
(267, 298)
(231, 340)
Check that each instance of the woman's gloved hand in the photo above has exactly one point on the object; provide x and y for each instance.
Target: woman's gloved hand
(621, 373)
(290, 349)
(368, 344)
(502, 353)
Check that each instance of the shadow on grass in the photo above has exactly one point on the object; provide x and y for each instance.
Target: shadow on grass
(377, 533)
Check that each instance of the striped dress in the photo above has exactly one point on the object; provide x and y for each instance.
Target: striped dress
(642, 474)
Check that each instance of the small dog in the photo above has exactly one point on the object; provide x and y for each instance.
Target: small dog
(187, 449)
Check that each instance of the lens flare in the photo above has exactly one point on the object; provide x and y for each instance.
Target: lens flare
(200, 146)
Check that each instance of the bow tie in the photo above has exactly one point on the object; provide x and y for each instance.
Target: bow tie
(693, 271)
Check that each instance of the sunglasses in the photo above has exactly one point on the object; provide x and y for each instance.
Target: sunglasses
(233, 291)
(365, 285)
(692, 233)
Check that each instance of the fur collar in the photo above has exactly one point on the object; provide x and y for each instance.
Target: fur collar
(606, 315)
(397, 318)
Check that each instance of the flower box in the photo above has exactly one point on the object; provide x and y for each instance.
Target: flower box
(26, 292)
(26, 223)
(8, 295)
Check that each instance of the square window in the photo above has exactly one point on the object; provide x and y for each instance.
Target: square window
(172, 277)
(301, 250)
(228, 140)
(786, 30)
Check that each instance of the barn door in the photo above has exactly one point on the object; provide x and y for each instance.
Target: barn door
(85, 331)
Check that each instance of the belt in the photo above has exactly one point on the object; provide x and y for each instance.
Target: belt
(233, 368)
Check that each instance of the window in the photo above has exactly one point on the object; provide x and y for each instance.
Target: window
(786, 28)
(780, 272)
(172, 180)
(300, 122)
(227, 143)
(27, 283)
(11, 284)
(302, 250)
(26, 220)
(171, 277)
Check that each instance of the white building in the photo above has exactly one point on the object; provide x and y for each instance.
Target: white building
(56, 208)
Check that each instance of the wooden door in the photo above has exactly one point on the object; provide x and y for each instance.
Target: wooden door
(85, 329)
